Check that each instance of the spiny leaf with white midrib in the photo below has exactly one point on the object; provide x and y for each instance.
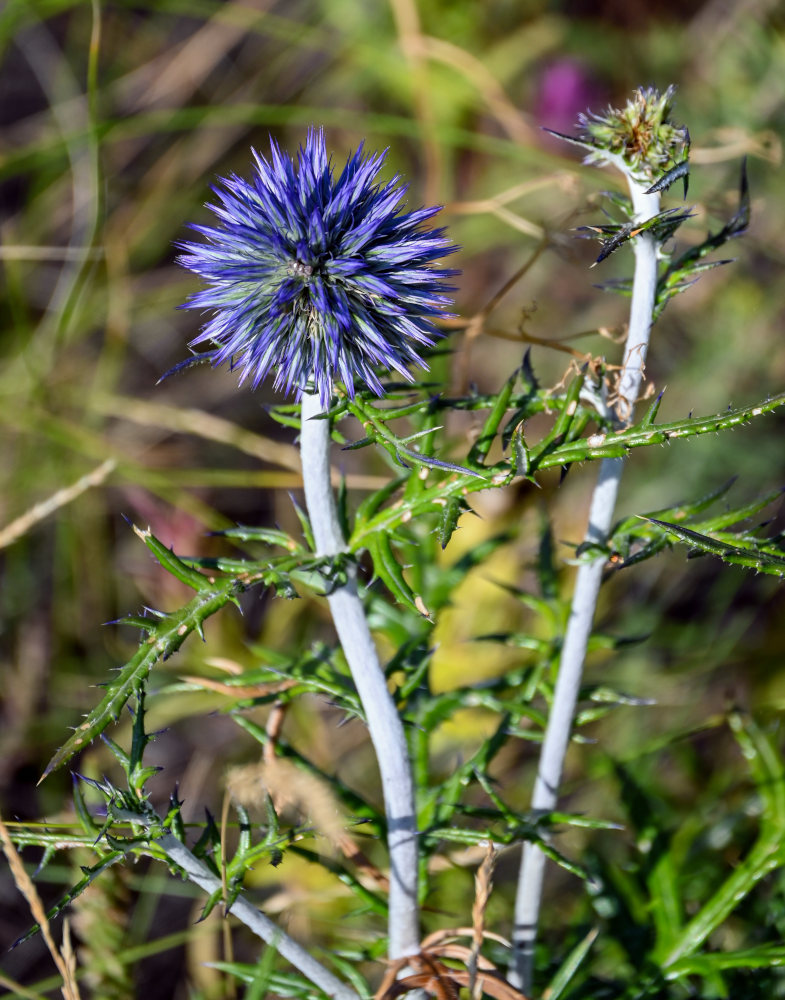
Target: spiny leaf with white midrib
(760, 557)
(549, 453)
(165, 637)
(687, 267)
(165, 633)
(389, 570)
(90, 875)
(637, 538)
(618, 444)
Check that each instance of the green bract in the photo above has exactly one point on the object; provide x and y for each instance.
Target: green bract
(641, 133)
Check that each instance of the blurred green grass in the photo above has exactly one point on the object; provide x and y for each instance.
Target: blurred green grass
(116, 117)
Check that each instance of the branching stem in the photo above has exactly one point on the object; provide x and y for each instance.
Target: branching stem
(584, 601)
(384, 723)
(254, 919)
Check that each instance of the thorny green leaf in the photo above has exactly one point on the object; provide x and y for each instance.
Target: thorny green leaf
(759, 557)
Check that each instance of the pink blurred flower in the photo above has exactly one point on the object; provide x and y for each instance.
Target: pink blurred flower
(565, 88)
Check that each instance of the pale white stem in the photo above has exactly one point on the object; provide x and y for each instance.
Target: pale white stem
(584, 601)
(384, 723)
(254, 919)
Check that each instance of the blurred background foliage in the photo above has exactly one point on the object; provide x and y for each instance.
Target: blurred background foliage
(116, 116)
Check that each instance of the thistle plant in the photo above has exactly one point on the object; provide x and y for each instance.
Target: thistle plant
(324, 280)
(321, 280)
(642, 142)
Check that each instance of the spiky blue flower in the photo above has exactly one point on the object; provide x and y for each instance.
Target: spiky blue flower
(313, 277)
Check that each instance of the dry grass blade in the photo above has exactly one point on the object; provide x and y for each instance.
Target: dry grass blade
(238, 690)
(70, 987)
(22, 524)
(462, 953)
(22, 251)
(275, 721)
(435, 941)
(338, 837)
(412, 43)
(226, 934)
(390, 978)
(287, 785)
(489, 984)
(65, 962)
(512, 120)
(483, 885)
(438, 980)
(427, 970)
(17, 989)
(374, 877)
(190, 420)
(177, 73)
(476, 323)
(434, 978)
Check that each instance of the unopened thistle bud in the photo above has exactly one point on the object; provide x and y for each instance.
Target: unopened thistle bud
(639, 139)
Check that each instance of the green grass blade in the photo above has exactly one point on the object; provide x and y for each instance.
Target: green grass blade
(766, 855)
(570, 965)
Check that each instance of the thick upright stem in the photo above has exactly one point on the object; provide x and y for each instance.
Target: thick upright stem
(584, 601)
(384, 723)
(254, 919)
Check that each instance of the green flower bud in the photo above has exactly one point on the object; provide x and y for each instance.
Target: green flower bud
(640, 138)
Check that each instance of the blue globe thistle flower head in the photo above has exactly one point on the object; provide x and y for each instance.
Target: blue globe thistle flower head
(315, 277)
